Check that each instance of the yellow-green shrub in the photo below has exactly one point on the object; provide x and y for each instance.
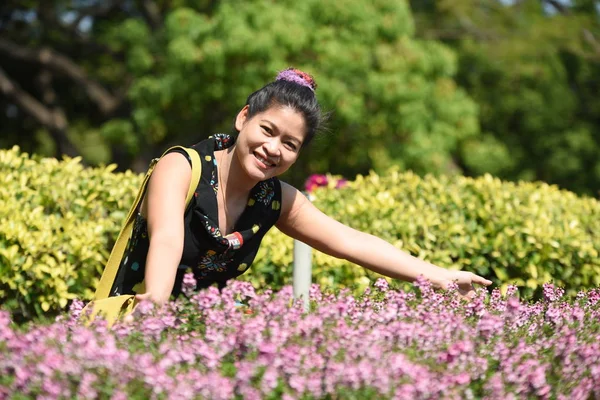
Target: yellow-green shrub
(59, 221)
(513, 233)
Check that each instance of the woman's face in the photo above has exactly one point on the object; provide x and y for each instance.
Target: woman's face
(269, 142)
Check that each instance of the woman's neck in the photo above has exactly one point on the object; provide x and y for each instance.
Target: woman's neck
(232, 178)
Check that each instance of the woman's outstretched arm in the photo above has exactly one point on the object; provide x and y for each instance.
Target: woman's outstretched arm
(301, 220)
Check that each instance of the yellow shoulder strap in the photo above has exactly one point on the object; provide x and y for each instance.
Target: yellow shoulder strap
(196, 172)
(116, 255)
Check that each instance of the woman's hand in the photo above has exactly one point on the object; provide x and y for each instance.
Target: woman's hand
(158, 301)
(143, 297)
(465, 281)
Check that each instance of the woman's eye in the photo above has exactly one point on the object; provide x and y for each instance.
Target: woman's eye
(291, 146)
(267, 130)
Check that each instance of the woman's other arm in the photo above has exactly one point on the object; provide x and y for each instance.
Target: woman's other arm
(303, 221)
(164, 207)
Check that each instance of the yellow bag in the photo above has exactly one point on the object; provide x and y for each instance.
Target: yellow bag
(116, 307)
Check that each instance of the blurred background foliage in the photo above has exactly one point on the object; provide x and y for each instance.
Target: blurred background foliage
(533, 69)
(444, 87)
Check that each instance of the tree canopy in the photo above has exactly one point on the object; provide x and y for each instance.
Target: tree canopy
(447, 86)
(119, 81)
(532, 66)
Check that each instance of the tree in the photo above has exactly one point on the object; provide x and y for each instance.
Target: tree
(44, 78)
(137, 76)
(532, 67)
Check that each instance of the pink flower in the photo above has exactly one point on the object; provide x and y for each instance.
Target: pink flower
(318, 180)
(86, 390)
(511, 291)
(144, 308)
(269, 380)
(118, 395)
(314, 181)
(391, 345)
(490, 325)
(188, 286)
(341, 183)
(552, 293)
(462, 378)
(424, 286)
(5, 331)
(75, 309)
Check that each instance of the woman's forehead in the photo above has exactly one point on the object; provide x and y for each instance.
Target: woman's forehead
(286, 120)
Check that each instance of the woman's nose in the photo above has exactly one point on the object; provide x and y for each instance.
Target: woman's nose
(272, 147)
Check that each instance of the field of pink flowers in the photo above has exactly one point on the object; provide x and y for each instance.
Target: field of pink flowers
(388, 343)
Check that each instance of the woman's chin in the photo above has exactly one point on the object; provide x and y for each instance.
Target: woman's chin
(258, 174)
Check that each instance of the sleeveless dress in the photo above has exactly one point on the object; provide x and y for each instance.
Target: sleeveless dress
(212, 257)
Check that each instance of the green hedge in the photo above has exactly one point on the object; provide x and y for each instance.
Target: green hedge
(61, 219)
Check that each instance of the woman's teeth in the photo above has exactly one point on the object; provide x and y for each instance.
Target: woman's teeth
(262, 160)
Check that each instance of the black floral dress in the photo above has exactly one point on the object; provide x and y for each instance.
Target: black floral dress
(212, 257)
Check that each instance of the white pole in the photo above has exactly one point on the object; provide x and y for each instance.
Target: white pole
(302, 272)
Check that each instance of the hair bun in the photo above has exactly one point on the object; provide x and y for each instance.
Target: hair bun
(297, 76)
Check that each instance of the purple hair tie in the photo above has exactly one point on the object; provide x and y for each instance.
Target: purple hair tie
(297, 76)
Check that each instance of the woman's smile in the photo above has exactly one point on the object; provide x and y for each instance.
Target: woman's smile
(263, 162)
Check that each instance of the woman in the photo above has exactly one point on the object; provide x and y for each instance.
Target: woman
(239, 198)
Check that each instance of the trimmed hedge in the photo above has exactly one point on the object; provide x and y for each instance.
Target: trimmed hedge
(524, 234)
(61, 219)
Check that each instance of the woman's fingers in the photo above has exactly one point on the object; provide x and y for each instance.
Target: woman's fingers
(481, 280)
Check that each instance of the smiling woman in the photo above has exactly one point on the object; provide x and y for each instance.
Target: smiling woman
(238, 198)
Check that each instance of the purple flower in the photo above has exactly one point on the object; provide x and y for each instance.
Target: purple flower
(382, 285)
(490, 325)
(511, 291)
(188, 286)
(552, 293)
(390, 343)
(6, 332)
(144, 307)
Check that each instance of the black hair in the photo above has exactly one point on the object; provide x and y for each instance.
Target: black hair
(300, 98)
